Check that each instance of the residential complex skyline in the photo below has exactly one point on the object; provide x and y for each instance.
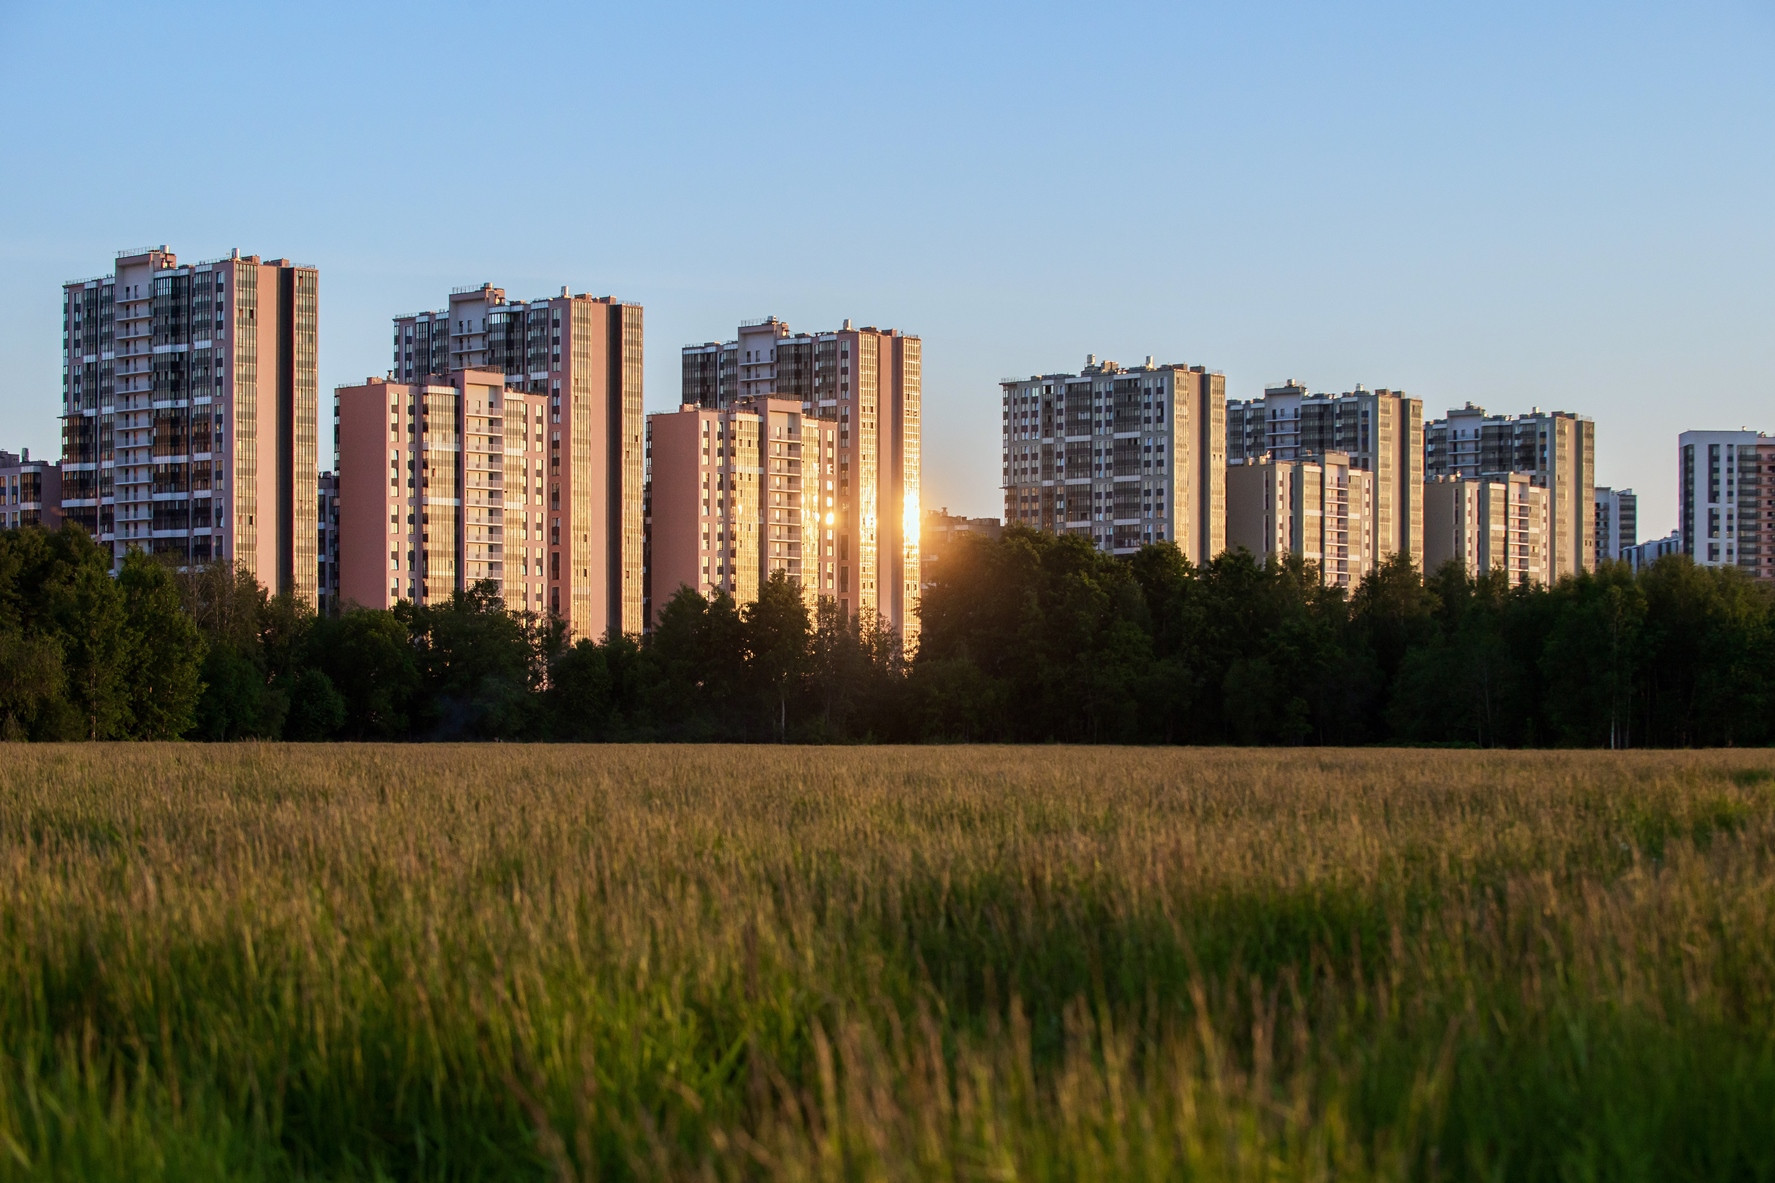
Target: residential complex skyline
(506, 445)
(460, 351)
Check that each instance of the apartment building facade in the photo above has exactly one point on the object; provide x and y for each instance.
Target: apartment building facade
(583, 353)
(869, 381)
(1644, 554)
(1381, 431)
(189, 412)
(1487, 525)
(442, 485)
(1555, 449)
(30, 491)
(1617, 523)
(1123, 455)
(739, 493)
(326, 582)
(1319, 508)
(1726, 500)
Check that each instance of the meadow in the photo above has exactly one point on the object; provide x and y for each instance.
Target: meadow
(500, 961)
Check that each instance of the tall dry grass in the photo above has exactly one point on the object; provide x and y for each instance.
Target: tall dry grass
(488, 962)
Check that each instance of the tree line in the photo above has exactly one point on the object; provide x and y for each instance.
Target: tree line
(1029, 638)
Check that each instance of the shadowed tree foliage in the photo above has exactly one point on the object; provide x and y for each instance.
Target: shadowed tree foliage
(84, 655)
(369, 657)
(162, 655)
(480, 666)
(1030, 638)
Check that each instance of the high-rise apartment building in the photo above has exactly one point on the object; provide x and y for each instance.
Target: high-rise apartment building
(1319, 509)
(1557, 451)
(327, 543)
(584, 354)
(30, 491)
(1726, 494)
(1122, 455)
(1381, 431)
(1489, 525)
(869, 382)
(189, 407)
(442, 485)
(1617, 522)
(738, 494)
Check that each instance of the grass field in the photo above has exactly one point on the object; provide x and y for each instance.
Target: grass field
(992, 963)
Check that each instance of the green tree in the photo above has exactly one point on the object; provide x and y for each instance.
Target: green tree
(581, 694)
(236, 703)
(697, 668)
(31, 684)
(776, 640)
(1591, 665)
(479, 664)
(317, 709)
(84, 607)
(367, 654)
(253, 656)
(855, 665)
(163, 653)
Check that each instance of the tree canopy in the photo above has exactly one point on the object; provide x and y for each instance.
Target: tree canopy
(1029, 638)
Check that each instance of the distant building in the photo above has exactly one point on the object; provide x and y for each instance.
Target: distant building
(1617, 522)
(1319, 509)
(941, 529)
(868, 381)
(1555, 449)
(30, 492)
(1488, 525)
(327, 545)
(1644, 554)
(583, 353)
(440, 488)
(1381, 431)
(189, 408)
(1727, 495)
(1124, 456)
(737, 494)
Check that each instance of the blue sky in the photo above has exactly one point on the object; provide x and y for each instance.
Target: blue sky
(1555, 205)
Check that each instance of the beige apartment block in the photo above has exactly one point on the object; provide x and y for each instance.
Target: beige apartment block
(1487, 525)
(584, 354)
(1617, 523)
(1382, 431)
(1318, 509)
(442, 485)
(189, 412)
(1555, 449)
(30, 492)
(1123, 455)
(739, 494)
(868, 382)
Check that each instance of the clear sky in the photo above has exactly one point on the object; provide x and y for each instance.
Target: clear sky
(1520, 204)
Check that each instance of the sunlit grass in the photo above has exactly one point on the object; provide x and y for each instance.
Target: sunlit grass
(1049, 963)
